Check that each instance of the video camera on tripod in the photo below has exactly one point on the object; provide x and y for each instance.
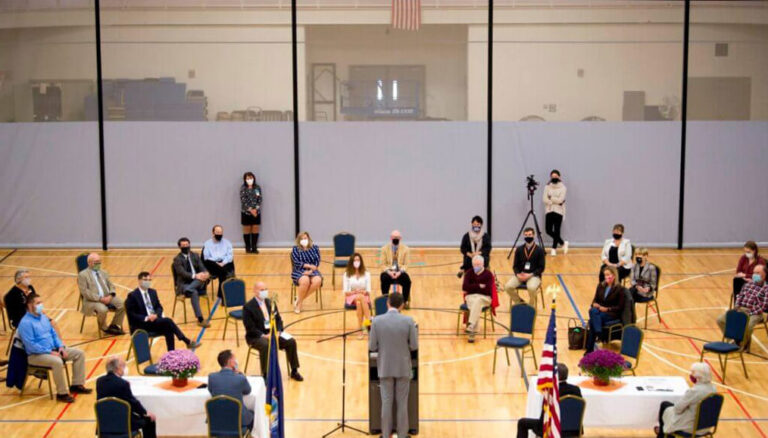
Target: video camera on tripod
(531, 185)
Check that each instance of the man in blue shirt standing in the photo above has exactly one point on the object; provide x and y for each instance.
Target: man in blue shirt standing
(218, 257)
(44, 348)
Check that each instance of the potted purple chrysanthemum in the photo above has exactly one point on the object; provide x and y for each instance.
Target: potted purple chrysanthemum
(602, 365)
(180, 365)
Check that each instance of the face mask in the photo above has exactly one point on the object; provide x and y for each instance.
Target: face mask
(693, 379)
(39, 308)
(237, 365)
(146, 284)
(477, 269)
(304, 242)
(125, 371)
(395, 241)
(218, 237)
(476, 229)
(617, 236)
(555, 180)
(97, 266)
(528, 239)
(264, 294)
(26, 282)
(749, 255)
(757, 278)
(249, 182)
(185, 250)
(356, 264)
(639, 259)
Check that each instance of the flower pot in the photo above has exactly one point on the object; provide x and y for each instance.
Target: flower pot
(599, 381)
(179, 382)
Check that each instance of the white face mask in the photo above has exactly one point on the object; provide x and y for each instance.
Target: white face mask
(264, 294)
(356, 263)
(26, 282)
(237, 365)
(125, 371)
(749, 255)
(249, 182)
(304, 242)
(146, 284)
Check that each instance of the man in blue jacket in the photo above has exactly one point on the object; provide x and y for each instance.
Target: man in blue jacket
(232, 382)
(44, 348)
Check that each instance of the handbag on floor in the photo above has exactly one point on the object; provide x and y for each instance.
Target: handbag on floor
(577, 335)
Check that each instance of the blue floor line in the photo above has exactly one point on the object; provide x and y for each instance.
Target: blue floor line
(213, 310)
(570, 297)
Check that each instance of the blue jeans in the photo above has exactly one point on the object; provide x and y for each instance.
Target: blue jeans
(597, 320)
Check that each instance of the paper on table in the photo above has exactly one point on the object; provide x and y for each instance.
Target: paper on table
(287, 336)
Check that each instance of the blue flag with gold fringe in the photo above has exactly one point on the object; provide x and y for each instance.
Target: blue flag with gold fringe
(274, 398)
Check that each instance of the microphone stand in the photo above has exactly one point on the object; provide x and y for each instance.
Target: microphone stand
(343, 424)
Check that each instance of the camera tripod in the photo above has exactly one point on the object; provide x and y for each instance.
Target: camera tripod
(531, 213)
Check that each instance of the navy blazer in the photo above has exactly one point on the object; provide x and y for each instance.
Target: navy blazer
(135, 308)
(112, 385)
(235, 385)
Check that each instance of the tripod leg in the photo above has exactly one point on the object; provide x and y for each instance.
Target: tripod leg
(519, 233)
(538, 230)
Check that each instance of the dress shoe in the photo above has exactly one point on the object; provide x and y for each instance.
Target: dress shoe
(193, 344)
(203, 324)
(113, 331)
(66, 398)
(79, 389)
(117, 329)
(296, 376)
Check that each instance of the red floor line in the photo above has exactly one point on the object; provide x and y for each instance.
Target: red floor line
(157, 265)
(61, 414)
(733, 396)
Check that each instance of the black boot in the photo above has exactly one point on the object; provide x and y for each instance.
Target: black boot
(255, 243)
(248, 244)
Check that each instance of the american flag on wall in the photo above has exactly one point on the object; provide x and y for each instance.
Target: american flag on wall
(547, 382)
(406, 14)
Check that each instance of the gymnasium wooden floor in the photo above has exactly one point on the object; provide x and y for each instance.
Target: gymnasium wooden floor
(460, 397)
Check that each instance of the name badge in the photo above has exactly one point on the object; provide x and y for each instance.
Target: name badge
(266, 325)
(527, 266)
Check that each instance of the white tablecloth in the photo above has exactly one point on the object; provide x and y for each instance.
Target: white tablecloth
(183, 413)
(626, 407)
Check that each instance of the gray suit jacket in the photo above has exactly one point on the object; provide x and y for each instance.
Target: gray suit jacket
(394, 336)
(227, 382)
(90, 291)
(682, 415)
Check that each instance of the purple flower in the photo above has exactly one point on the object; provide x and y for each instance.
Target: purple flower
(179, 364)
(603, 364)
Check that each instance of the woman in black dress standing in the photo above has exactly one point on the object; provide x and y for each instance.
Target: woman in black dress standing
(250, 212)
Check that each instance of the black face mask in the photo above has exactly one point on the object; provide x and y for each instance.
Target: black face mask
(617, 236)
(639, 260)
(528, 239)
(218, 237)
(395, 241)
(185, 250)
(555, 180)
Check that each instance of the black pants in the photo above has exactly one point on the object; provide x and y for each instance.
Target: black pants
(146, 425)
(662, 408)
(220, 272)
(552, 223)
(524, 425)
(403, 280)
(167, 328)
(290, 347)
(623, 273)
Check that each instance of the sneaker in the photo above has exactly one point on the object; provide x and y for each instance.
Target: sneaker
(66, 398)
(471, 339)
(565, 247)
(255, 250)
(553, 252)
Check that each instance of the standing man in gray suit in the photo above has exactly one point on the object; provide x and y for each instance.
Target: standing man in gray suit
(230, 381)
(394, 336)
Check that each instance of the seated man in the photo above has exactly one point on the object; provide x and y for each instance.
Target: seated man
(16, 298)
(44, 348)
(528, 265)
(478, 287)
(146, 313)
(752, 299)
(217, 256)
(256, 317)
(394, 263)
(112, 384)
(232, 382)
(535, 424)
(99, 296)
(191, 278)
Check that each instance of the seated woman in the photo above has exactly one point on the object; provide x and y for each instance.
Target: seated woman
(644, 278)
(617, 252)
(676, 417)
(305, 257)
(607, 305)
(475, 242)
(746, 266)
(357, 291)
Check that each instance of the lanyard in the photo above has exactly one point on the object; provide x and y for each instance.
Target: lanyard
(529, 254)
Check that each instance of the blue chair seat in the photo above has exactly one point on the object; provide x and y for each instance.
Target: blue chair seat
(464, 308)
(340, 263)
(721, 347)
(152, 369)
(513, 342)
(237, 314)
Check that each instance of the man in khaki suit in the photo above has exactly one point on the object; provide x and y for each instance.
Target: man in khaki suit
(394, 263)
(99, 296)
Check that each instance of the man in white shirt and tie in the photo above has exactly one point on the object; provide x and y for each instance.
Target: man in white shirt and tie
(99, 296)
(146, 313)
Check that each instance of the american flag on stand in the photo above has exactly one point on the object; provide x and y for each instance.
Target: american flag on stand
(547, 382)
(406, 14)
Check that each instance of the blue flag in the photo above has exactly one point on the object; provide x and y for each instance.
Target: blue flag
(274, 399)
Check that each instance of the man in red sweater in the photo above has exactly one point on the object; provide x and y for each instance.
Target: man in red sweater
(478, 287)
